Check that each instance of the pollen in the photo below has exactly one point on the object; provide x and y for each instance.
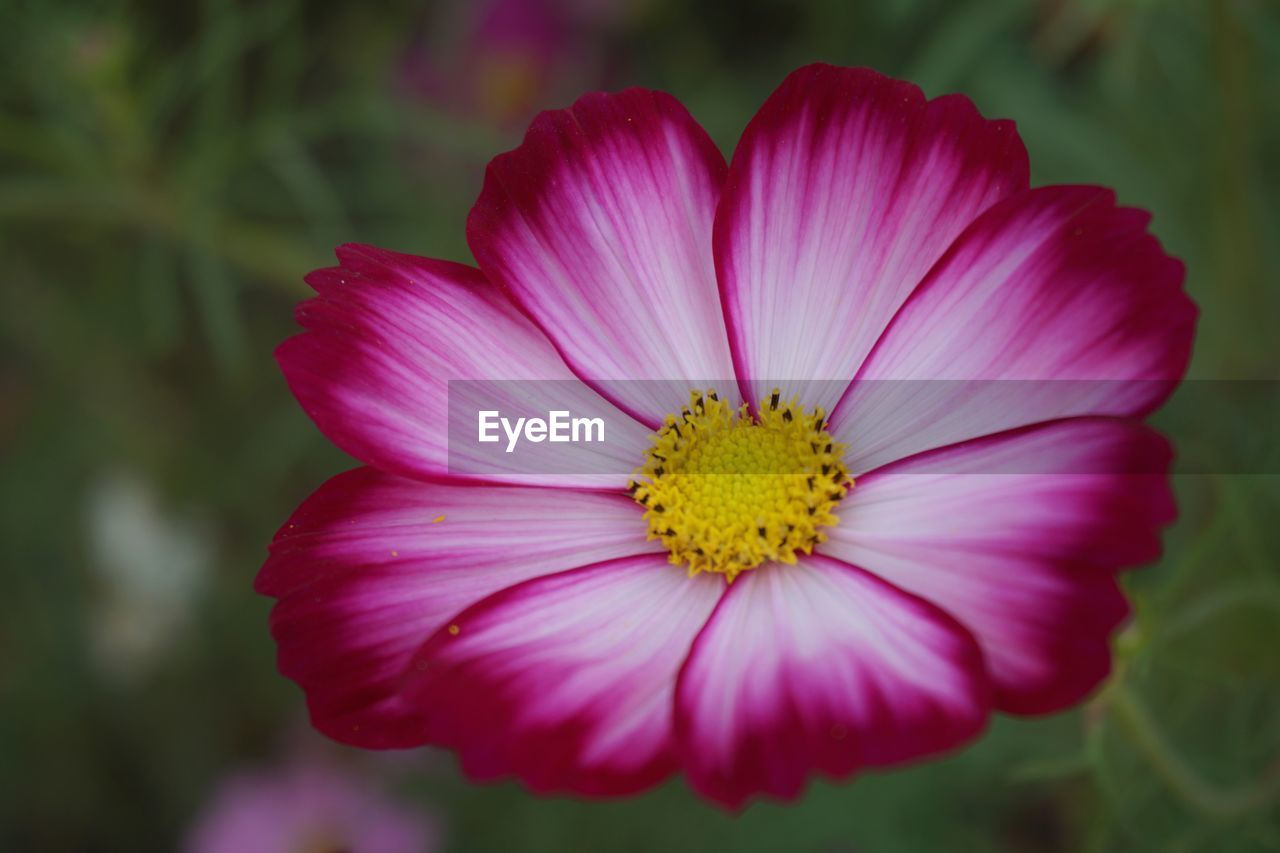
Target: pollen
(726, 490)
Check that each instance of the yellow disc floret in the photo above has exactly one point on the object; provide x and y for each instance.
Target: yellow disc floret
(726, 491)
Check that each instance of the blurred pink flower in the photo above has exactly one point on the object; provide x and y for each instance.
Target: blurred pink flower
(306, 807)
(508, 56)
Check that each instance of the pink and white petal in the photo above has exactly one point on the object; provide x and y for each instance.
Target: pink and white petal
(599, 225)
(821, 667)
(566, 682)
(372, 564)
(1055, 303)
(1017, 537)
(388, 332)
(845, 189)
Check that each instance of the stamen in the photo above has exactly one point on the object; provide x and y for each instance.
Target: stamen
(734, 491)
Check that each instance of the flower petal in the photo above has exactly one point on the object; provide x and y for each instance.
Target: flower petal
(371, 565)
(387, 333)
(599, 225)
(1016, 536)
(1055, 303)
(844, 190)
(821, 667)
(567, 681)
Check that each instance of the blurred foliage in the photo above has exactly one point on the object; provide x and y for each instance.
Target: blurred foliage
(169, 171)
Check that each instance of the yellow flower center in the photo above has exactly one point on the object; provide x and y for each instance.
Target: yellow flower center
(726, 491)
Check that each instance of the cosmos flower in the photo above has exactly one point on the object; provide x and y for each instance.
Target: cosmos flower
(503, 57)
(305, 805)
(864, 572)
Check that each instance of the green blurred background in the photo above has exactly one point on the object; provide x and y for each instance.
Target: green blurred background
(169, 171)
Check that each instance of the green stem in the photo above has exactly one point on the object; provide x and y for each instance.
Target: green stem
(1182, 779)
(252, 249)
(1260, 594)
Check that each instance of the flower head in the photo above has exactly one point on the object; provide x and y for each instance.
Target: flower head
(502, 57)
(901, 510)
(305, 807)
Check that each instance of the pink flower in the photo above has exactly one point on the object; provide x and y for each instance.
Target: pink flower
(500, 58)
(302, 807)
(896, 590)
